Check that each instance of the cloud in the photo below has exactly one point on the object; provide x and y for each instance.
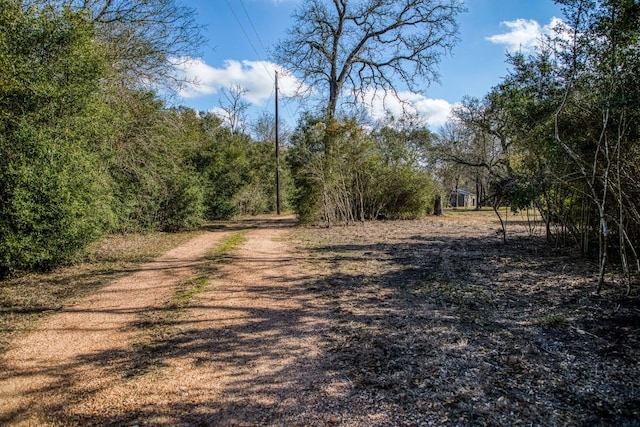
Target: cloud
(435, 112)
(256, 77)
(526, 34)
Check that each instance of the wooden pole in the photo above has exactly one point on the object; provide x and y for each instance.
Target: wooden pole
(278, 210)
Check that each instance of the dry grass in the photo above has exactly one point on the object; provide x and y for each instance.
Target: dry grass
(437, 322)
(410, 323)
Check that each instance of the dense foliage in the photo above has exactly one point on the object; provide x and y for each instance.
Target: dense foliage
(358, 175)
(51, 191)
(239, 172)
(561, 132)
(84, 150)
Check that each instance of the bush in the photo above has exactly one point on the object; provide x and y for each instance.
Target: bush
(51, 193)
(183, 208)
(53, 202)
(343, 173)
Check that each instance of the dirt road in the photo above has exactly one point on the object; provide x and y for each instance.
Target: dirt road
(243, 352)
(409, 323)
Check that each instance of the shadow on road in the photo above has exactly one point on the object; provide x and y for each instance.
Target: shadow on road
(415, 324)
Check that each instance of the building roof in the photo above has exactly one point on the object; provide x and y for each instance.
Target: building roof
(463, 192)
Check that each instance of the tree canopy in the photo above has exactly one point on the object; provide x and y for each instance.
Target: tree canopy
(87, 146)
(362, 45)
(142, 40)
(563, 131)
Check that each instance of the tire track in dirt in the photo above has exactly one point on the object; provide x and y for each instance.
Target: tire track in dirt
(246, 351)
(76, 353)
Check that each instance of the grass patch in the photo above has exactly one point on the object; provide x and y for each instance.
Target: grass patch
(232, 243)
(188, 290)
(555, 321)
(157, 326)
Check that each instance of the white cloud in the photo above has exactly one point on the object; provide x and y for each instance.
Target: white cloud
(218, 111)
(434, 112)
(525, 34)
(256, 77)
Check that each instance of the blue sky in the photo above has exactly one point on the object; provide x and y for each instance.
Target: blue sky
(240, 34)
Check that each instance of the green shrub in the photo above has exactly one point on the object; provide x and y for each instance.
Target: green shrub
(343, 173)
(183, 209)
(53, 202)
(52, 194)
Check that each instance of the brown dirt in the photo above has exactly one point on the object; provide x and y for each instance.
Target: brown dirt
(412, 323)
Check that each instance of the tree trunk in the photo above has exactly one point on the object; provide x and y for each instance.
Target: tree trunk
(437, 206)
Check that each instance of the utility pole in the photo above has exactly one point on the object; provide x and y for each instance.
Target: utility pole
(277, 152)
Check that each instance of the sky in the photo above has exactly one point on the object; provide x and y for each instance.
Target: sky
(242, 33)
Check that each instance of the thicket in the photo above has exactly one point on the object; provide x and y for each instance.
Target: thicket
(86, 150)
(343, 173)
(561, 133)
(239, 172)
(51, 191)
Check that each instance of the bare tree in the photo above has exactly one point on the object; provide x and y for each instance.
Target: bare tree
(142, 39)
(233, 111)
(264, 128)
(362, 45)
(477, 141)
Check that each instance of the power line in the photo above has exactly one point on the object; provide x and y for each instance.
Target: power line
(252, 26)
(269, 72)
(243, 30)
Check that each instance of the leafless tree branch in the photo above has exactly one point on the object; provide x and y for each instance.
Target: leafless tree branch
(369, 44)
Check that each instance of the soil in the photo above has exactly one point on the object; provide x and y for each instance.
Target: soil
(410, 323)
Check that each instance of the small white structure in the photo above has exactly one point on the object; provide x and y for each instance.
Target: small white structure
(462, 198)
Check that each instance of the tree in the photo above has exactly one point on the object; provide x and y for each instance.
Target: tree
(368, 44)
(376, 175)
(356, 47)
(238, 171)
(597, 120)
(462, 160)
(566, 125)
(148, 156)
(143, 40)
(52, 194)
(233, 112)
(481, 139)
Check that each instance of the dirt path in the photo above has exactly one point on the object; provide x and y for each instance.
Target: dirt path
(242, 353)
(412, 323)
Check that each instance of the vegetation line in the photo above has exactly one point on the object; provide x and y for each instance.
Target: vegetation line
(157, 325)
(192, 286)
(232, 243)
